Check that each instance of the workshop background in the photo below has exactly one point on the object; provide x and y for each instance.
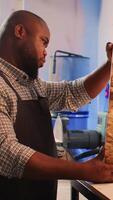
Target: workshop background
(79, 30)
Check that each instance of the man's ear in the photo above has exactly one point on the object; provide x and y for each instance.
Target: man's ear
(19, 31)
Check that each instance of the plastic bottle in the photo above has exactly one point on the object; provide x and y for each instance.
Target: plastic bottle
(58, 130)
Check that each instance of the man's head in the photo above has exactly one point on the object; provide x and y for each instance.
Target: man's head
(26, 35)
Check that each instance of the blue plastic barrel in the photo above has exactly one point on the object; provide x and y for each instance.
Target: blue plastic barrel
(76, 120)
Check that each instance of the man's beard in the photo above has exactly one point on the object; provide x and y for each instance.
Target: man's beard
(29, 62)
(29, 66)
(31, 71)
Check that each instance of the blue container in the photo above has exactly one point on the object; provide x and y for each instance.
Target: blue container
(76, 120)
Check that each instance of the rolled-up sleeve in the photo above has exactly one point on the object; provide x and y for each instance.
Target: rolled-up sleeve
(13, 155)
(69, 95)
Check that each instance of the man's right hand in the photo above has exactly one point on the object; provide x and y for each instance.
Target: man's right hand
(97, 171)
(109, 50)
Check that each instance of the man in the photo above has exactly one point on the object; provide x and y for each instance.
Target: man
(29, 166)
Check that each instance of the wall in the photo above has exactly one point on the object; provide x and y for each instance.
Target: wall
(105, 29)
(7, 7)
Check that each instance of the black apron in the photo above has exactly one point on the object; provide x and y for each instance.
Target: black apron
(33, 127)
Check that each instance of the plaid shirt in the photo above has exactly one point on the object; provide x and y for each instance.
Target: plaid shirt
(61, 95)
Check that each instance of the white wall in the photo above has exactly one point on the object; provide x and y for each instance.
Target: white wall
(7, 7)
(105, 29)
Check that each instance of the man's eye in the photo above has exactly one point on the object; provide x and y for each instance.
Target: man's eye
(44, 42)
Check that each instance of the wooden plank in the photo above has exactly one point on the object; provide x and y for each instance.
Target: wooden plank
(109, 124)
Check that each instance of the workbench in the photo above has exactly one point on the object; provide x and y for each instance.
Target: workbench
(91, 191)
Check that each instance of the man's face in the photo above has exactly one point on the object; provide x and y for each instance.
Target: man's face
(33, 51)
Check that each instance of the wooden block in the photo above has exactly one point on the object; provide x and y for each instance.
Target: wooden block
(109, 127)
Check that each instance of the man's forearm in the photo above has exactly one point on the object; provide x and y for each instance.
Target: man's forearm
(97, 80)
(43, 167)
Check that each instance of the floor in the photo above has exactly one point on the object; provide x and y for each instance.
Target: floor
(64, 191)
